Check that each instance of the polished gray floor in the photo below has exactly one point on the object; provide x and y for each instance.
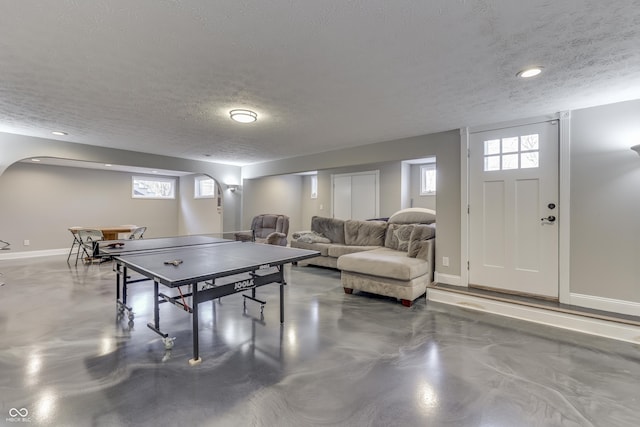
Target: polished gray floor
(344, 360)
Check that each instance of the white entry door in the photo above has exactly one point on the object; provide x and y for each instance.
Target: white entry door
(513, 209)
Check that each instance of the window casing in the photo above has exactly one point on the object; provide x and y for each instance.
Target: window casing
(204, 188)
(314, 186)
(518, 152)
(428, 180)
(147, 187)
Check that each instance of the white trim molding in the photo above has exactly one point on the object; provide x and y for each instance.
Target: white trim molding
(564, 220)
(602, 328)
(464, 206)
(605, 304)
(32, 254)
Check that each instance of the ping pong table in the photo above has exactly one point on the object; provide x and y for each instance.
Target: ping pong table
(212, 267)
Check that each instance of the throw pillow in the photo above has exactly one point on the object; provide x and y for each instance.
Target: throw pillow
(398, 236)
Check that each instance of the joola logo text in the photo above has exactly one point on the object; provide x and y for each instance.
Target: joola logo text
(243, 284)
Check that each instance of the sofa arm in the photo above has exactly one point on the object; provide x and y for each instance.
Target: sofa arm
(276, 238)
(427, 250)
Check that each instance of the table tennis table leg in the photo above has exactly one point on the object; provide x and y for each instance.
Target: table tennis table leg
(118, 270)
(124, 287)
(281, 302)
(156, 307)
(194, 313)
(121, 297)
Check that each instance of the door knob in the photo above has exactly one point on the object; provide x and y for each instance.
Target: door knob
(550, 218)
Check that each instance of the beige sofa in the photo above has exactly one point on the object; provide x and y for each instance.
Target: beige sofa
(394, 258)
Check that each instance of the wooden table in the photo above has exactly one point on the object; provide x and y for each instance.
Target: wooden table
(109, 233)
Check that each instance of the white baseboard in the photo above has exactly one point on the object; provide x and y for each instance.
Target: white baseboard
(602, 328)
(605, 304)
(447, 279)
(32, 254)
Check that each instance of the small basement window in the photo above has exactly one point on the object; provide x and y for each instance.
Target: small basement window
(146, 187)
(205, 188)
(428, 180)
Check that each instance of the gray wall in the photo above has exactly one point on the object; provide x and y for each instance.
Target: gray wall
(273, 195)
(445, 146)
(197, 216)
(40, 203)
(14, 148)
(605, 201)
(605, 193)
(309, 206)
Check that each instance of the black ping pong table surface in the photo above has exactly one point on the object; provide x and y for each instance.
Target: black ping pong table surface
(211, 267)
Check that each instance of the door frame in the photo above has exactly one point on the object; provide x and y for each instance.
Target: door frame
(564, 145)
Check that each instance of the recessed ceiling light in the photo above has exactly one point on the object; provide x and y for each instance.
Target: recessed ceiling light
(35, 160)
(243, 116)
(529, 72)
(108, 165)
(59, 133)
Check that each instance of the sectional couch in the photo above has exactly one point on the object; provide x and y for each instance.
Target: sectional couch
(393, 258)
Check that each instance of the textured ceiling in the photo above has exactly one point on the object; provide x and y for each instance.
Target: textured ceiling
(160, 76)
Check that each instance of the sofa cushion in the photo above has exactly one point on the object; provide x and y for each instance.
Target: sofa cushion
(323, 248)
(384, 262)
(413, 216)
(398, 236)
(339, 250)
(331, 228)
(364, 233)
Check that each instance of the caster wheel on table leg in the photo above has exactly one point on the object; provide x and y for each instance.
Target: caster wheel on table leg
(168, 342)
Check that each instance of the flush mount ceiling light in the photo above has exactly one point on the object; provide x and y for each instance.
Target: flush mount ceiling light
(243, 116)
(59, 133)
(529, 72)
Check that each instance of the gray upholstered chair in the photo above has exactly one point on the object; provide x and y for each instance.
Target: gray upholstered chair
(267, 228)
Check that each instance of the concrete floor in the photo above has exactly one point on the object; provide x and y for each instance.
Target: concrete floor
(344, 360)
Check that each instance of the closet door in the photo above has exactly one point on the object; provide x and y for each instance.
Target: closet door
(356, 196)
(342, 197)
